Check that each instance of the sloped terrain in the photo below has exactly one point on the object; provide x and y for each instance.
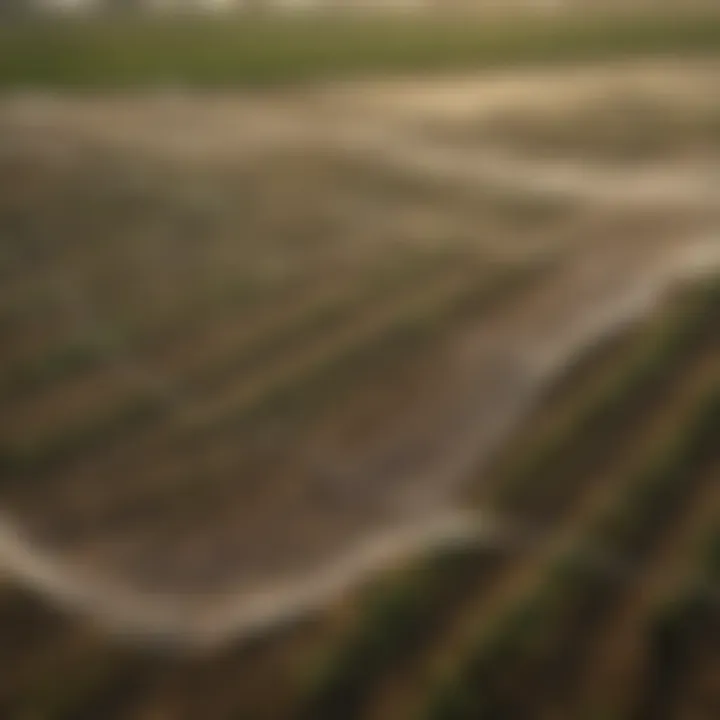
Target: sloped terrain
(336, 412)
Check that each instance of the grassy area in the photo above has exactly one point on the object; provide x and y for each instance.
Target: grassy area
(543, 626)
(536, 479)
(391, 621)
(682, 634)
(262, 52)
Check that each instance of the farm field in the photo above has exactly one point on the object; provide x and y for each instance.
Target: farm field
(393, 399)
(240, 50)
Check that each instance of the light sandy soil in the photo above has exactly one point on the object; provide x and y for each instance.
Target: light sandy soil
(471, 96)
(223, 125)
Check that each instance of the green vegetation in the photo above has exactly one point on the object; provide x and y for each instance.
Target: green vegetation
(539, 479)
(393, 620)
(682, 634)
(402, 619)
(535, 633)
(269, 51)
(665, 482)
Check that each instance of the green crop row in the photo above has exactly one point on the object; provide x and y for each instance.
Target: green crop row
(551, 618)
(682, 629)
(541, 476)
(136, 412)
(361, 660)
(394, 617)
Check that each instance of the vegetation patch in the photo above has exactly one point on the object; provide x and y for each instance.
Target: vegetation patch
(270, 51)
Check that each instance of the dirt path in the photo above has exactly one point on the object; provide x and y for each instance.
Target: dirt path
(227, 125)
(470, 96)
(383, 121)
(683, 186)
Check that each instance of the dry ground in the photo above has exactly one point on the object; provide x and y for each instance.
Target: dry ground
(256, 346)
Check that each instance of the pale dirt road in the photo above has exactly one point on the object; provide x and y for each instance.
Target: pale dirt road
(386, 123)
(223, 125)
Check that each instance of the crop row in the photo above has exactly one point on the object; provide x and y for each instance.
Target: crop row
(637, 379)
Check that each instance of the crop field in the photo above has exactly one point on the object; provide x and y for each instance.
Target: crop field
(383, 400)
(260, 50)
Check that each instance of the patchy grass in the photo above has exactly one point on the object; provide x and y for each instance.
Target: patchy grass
(402, 620)
(270, 51)
(537, 478)
(538, 631)
(393, 619)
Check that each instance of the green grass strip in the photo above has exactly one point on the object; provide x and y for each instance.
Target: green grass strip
(246, 51)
